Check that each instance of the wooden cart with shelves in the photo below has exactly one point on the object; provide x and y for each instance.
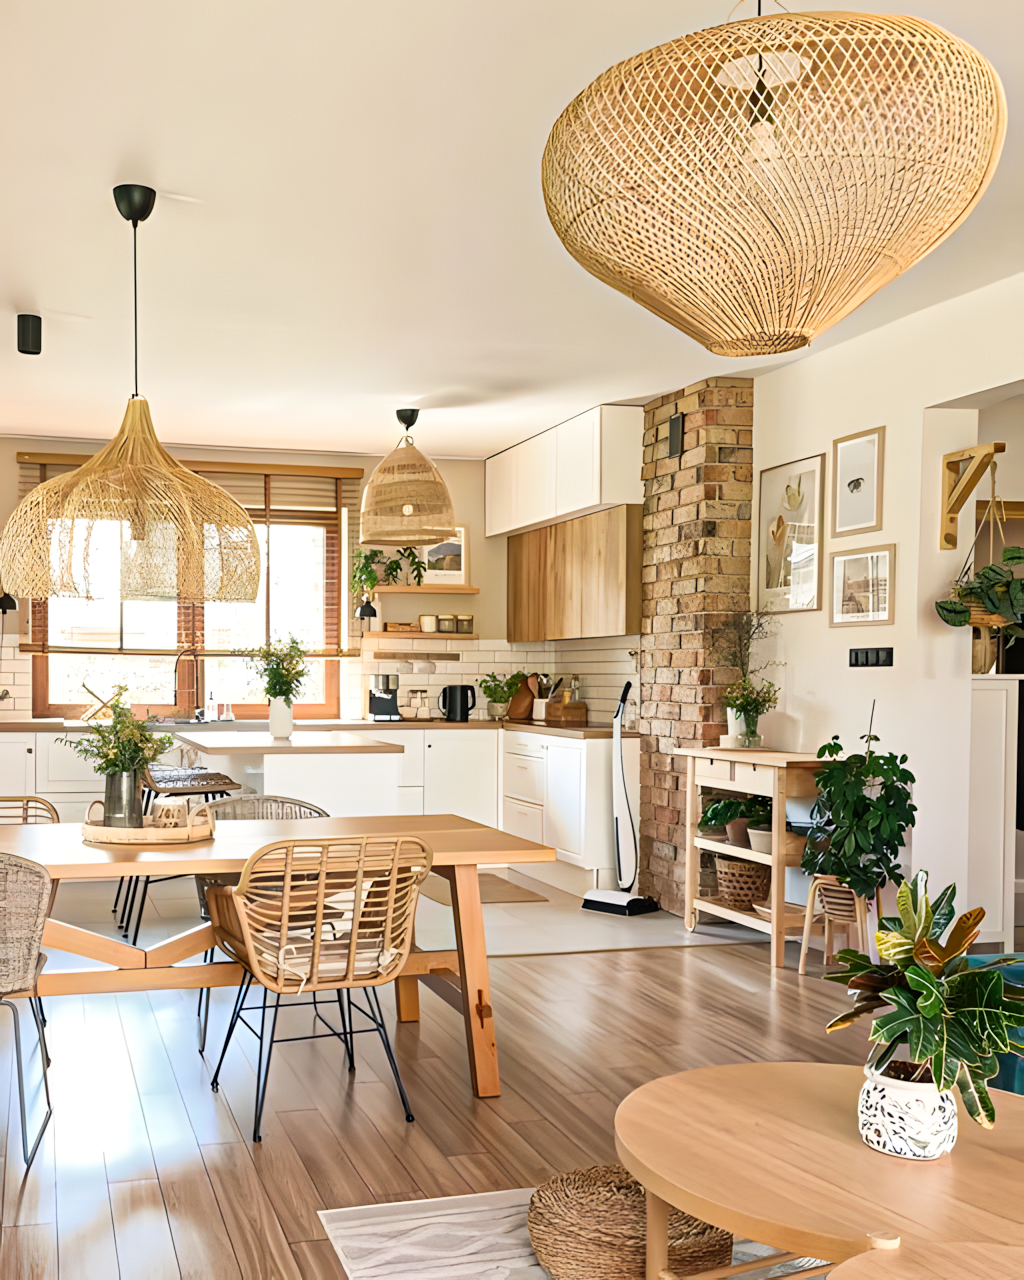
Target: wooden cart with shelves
(777, 775)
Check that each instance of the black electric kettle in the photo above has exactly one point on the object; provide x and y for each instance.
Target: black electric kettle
(457, 701)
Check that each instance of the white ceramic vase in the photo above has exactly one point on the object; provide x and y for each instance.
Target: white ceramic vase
(281, 719)
(497, 710)
(735, 722)
(914, 1121)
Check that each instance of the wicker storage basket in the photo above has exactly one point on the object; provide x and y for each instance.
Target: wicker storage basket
(592, 1225)
(741, 883)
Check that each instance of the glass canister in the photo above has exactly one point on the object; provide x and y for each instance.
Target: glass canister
(446, 622)
(428, 622)
(464, 624)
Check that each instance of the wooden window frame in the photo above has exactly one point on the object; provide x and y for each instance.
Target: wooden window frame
(190, 617)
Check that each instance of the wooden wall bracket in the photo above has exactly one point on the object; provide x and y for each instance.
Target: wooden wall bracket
(958, 485)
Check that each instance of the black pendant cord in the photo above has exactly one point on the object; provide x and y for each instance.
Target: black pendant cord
(135, 291)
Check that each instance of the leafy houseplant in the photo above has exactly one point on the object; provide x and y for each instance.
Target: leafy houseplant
(121, 751)
(992, 589)
(735, 815)
(751, 701)
(281, 667)
(499, 692)
(860, 816)
(372, 566)
(953, 1019)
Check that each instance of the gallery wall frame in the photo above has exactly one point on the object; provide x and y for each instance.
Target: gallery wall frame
(858, 472)
(790, 522)
(862, 586)
(447, 561)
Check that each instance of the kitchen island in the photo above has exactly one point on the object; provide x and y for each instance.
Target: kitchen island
(344, 773)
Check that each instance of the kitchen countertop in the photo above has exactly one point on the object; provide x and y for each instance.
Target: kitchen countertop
(262, 744)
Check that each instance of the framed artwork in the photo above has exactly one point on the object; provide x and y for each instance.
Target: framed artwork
(863, 586)
(447, 561)
(858, 463)
(789, 536)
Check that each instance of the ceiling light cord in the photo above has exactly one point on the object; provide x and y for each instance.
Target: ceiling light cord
(135, 299)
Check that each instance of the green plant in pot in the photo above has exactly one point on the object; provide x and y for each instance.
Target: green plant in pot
(499, 692)
(121, 751)
(281, 668)
(949, 1019)
(996, 596)
(735, 815)
(859, 819)
(750, 701)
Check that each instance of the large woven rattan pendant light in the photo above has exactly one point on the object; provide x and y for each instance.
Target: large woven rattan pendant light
(182, 538)
(405, 502)
(755, 182)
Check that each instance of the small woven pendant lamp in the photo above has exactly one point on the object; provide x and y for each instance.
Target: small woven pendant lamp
(182, 537)
(755, 182)
(405, 502)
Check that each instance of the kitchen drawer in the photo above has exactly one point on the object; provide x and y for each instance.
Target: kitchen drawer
(523, 744)
(757, 779)
(522, 819)
(524, 778)
(710, 772)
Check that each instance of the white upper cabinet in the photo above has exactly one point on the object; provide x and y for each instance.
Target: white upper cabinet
(589, 463)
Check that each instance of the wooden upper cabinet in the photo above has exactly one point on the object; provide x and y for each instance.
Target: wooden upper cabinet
(577, 579)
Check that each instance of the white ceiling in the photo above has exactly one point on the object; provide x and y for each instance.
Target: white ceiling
(365, 227)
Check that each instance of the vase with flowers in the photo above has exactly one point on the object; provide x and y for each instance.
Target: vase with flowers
(282, 669)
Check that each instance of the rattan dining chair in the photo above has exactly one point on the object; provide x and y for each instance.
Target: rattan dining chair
(320, 915)
(248, 808)
(830, 903)
(24, 899)
(26, 810)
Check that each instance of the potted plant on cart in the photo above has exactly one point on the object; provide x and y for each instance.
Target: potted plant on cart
(754, 627)
(499, 692)
(751, 701)
(120, 751)
(282, 669)
(949, 1019)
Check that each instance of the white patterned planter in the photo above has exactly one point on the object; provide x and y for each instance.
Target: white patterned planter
(914, 1121)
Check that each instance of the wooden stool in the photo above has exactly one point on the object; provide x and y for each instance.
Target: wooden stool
(936, 1262)
(838, 905)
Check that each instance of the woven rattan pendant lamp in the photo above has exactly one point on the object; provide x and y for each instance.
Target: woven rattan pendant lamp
(755, 182)
(182, 538)
(405, 502)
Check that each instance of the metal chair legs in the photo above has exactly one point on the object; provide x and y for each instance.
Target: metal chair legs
(378, 1021)
(45, 1060)
(203, 1011)
(263, 1062)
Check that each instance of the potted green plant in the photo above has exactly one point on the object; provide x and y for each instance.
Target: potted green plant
(371, 566)
(750, 702)
(753, 626)
(499, 691)
(120, 752)
(282, 669)
(860, 816)
(735, 815)
(949, 1019)
(992, 597)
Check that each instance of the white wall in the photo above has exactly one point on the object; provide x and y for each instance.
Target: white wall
(892, 375)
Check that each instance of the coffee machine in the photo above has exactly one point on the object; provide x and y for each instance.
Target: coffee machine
(384, 698)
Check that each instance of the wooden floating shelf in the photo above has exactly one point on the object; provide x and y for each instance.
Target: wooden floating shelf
(428, 589)
(419, 635)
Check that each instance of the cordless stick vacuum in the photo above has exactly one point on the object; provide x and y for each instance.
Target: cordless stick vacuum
(621, 901)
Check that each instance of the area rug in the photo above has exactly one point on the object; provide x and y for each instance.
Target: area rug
(492, 889)
(481, 1236)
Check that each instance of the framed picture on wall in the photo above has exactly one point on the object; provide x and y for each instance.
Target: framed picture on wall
(863, 586)
(789, 536)
(447, 561)
(858, 463)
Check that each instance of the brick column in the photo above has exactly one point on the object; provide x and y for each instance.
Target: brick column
(696, 579)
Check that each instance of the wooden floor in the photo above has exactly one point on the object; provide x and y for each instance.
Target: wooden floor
(145, 1174)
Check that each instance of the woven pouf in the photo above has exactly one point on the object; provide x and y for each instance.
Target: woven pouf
(592, 1225)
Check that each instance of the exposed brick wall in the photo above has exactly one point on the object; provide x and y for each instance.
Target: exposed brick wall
(696, 579)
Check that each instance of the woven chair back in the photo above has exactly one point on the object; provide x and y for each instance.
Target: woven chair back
(326, 914)
(250, 808)
(19, 811)
(24, 897)
(838, 901)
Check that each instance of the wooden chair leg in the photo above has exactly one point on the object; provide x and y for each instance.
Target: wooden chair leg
(829, 940)
(862, 924)
(808, 920)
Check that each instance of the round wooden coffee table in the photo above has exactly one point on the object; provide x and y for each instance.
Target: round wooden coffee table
(771, 1151)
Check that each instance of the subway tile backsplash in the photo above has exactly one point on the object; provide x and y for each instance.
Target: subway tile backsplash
(603, 666)
(16, 678)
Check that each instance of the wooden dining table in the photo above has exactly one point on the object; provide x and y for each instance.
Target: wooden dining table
(771, 1151)
(459, 847)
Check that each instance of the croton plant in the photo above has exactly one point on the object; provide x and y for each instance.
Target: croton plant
(953, 1018)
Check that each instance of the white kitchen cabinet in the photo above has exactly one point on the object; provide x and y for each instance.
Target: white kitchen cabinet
(589, 463)
(17, 764)
(410, 772)
(563, 807)
(410, 801)
(522, 819)
(524, 777)
(59, 769)
(992, 798)
(460, 773)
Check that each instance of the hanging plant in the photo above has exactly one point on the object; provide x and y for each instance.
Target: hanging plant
(994, 591)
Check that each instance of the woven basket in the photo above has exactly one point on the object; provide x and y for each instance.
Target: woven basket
(592, 1225)
(741, 883)
(980, 617)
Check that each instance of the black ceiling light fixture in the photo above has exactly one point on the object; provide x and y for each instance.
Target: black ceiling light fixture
(135, 204)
